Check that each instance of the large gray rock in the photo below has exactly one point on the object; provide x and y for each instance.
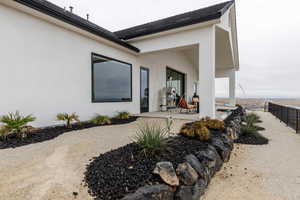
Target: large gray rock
(154, 192)
(185, 193)
(210, 158)
(167, 173)
(191, 192)
(201, 168)
(187, 174)
(223, 151)
(199, 189)
(228, 142)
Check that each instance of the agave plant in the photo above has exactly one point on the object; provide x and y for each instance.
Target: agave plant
(101, 119)
(68, 118)
(15, 123)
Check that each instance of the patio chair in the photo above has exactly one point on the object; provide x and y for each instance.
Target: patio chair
(183, 105)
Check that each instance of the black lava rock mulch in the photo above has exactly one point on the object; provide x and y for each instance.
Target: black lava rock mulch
(49, 133)
(114, 174)
(256, 139)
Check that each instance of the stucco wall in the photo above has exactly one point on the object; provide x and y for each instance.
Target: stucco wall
(46, 69)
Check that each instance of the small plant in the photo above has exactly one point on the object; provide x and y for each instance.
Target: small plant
(68, 118)
(213, 123)
(252, 118)
(101, 119)
(249, 130)
(15, 123)
(4, 132)
(169, 124)
(123, 115)
(196, 130)
(152, 138)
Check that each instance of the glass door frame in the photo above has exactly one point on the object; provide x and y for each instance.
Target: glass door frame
(148, 83)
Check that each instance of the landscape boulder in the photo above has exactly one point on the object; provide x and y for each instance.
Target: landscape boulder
(153, 192)
(201, 168)
(185, 193)
(223, 151)
(187, 174)
(167, 173)
(199, 189)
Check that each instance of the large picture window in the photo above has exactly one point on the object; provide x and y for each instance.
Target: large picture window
(111, 80)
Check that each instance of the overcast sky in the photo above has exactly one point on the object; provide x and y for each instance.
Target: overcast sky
(268, 34)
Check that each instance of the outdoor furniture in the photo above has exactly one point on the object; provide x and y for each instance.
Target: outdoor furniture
(183, 105)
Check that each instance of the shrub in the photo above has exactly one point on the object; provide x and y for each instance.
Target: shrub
(15, 123)
(169, 124)
(196, 130)
(123, 115)
(101, 119)
(68, 118)
(213, 123)
(4, 132)
(248, 130)
(152, 138)
(252, 118)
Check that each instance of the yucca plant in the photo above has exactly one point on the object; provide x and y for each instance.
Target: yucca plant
(101, 119)
(152, 138)
(68, 118)
(123, 115)
(252, 118)
(15, 123)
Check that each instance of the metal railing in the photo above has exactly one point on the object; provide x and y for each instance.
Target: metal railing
(287, 114)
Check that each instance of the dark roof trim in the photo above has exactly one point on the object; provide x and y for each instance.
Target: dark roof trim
(186, 19)
(59, 13)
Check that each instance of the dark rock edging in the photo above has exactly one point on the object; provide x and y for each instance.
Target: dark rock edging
(48, 133)
(195, 174)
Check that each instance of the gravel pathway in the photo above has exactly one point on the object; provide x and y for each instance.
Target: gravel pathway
(53, 170)
(268, 172)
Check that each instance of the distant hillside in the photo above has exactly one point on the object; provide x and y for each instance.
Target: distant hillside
(258, 103)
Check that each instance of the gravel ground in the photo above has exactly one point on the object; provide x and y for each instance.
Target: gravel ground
(53, 170)
(263, 172)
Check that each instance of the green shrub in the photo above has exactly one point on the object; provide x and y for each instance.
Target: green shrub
(248, 130)
(152, 138)
(101, 119)
(252, 119)
(15, 123)
(68, 118)
(196, 130)
(4, 132)
(212, 123)
(123, 115)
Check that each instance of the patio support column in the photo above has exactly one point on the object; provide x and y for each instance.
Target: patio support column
(207, 75)
(232, 85)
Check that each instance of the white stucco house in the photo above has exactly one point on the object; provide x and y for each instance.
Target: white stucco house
(55, 61)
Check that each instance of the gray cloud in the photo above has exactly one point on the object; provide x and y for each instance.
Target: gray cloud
(268, 31)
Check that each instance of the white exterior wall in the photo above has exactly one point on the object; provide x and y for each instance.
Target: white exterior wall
(46, 69)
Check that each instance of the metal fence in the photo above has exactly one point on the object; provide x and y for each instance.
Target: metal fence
(289, 115)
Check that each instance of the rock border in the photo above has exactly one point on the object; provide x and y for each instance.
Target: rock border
(196, 172)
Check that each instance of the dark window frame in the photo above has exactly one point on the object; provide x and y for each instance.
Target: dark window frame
(92, 78)
(148, 82)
